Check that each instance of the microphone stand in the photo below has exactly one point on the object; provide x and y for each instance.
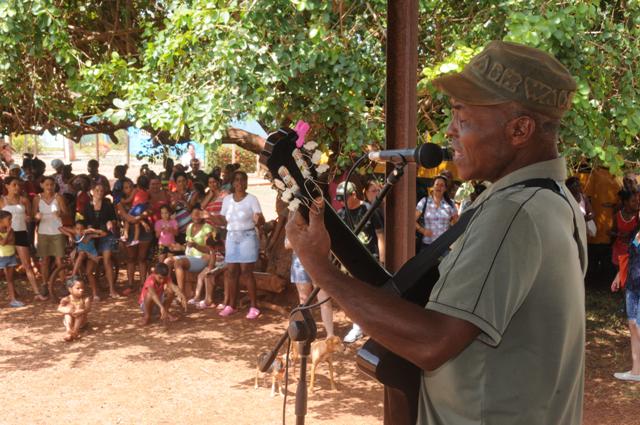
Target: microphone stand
(392, 179)
(304, 331)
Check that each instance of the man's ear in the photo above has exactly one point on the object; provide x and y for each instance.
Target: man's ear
(520, 130)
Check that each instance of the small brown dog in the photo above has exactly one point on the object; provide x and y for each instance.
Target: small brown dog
(276, 371)
(321, 351)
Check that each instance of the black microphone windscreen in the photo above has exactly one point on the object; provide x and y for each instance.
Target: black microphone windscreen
(429, 155)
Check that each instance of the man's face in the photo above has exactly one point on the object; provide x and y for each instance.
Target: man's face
(195, 165)
(478, 137)
(92, 167)
(154, 185)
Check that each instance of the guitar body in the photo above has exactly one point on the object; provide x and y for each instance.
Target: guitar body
(384, 365)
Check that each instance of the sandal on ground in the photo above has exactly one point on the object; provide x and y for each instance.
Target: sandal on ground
(41, 297)
(254, 313)
(227, 311)
(220, 306)
(202, 305)
(626, 376)
(16, 304)
(192, 301)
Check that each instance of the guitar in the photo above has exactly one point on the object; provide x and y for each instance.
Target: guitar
(413, 281)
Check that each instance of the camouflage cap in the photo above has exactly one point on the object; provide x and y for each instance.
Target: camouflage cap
(505, 72)
(350, 188)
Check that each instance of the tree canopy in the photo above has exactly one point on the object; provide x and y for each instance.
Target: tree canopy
(184, 69)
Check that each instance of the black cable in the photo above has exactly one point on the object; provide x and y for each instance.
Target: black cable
(346, 184)
(286, 384)
(308, 307)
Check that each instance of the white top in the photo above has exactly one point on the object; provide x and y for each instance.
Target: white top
(49, 220)
(186, 158)
(18, 215)
(239, 215)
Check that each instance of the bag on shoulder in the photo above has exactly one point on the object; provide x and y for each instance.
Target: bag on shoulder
(420, 220)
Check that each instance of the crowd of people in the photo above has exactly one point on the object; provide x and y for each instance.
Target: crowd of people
(183, 218)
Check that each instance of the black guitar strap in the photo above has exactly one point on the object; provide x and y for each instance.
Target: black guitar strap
(420, 264)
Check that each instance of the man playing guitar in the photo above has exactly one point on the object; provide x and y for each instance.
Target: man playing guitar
(501, 339)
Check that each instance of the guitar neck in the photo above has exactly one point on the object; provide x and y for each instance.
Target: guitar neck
(349, 250)
(345, 245)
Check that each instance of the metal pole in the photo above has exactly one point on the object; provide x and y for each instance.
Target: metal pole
(97, 146)
(401, 129)
(126, 138)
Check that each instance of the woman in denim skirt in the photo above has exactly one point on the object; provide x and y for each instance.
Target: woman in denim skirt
(241, 214)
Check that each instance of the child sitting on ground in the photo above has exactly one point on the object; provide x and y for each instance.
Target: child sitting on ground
(8, 259)
(140, 204)
(83, 238)
(75, 308)
(157, 295)
(166, 229)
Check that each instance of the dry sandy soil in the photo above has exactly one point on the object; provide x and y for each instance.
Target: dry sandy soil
(201, 369)
(198, 370)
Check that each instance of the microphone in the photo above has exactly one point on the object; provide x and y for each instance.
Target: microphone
(428, 155)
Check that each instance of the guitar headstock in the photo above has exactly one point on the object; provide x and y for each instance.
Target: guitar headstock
(294, 170)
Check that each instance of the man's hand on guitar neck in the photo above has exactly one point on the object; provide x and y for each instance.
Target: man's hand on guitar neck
(425, 337)
(309, 238)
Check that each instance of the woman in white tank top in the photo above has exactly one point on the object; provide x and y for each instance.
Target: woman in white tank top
(48, 208)
(20, 210)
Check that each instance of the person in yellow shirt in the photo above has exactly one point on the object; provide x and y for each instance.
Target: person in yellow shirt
(8, 261)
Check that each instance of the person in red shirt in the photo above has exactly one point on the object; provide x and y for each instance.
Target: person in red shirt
(157, 294)
(139, 201)
(625, 225)
(82, 185)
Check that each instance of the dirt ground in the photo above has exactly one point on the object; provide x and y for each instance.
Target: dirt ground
(201, 369)
(198, 370)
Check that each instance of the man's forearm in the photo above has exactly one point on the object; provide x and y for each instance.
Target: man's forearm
(424, 337)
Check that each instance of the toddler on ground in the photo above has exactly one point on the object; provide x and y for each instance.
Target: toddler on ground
(75, 307)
